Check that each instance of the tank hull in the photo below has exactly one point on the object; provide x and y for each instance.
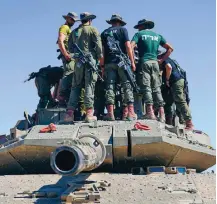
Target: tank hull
(126, 147)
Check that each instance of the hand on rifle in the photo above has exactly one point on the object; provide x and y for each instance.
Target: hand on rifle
(167, 83)
(102, 69)
(67, 56)
(133, 66)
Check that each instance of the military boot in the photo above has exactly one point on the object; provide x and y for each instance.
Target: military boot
(110, 115)
(69, 116)
(131, 114)
(149, 113)
(125, 113)
(161, 114)
(189, 125)
(89, 116)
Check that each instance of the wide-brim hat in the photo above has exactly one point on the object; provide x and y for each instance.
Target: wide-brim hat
(86, 16)
(148, 24)
(116, 17)
(71, 15)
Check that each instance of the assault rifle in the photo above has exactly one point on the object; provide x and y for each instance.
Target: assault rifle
(31, 76)
(35, 74)
(124, 62)
(86, 59)
(60, 55)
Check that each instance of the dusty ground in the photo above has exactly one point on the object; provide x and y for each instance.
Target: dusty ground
(125, 188)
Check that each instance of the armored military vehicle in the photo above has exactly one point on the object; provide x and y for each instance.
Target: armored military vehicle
(145, 161)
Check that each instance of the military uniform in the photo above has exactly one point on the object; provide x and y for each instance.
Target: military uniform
(113, 72)
(148, 70)
(66, 81)
(88, 40)
(177, 86)
(45, 79)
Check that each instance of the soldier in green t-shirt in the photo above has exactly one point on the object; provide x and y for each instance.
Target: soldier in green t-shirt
(149, 81)
(68, 62)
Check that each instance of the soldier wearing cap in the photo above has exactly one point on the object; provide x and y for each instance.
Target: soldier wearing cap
(68, 62)
(149, 81)
(88, 40)
(112, 71)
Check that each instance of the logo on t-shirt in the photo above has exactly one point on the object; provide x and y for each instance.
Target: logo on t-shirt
(153, 38)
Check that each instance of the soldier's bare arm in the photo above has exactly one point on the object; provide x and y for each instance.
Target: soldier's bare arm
(61, 39)
(133, 44)
(169, 50)
(168, 72)
(130, 54)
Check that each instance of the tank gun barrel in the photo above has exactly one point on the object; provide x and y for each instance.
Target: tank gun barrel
(83, 154)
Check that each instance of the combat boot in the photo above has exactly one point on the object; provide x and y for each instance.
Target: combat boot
(69, 116)
(189, 125)
(89, 116)
(149, 113)
(131, 114)
(161, 114)
(110, 115)
(125, 113)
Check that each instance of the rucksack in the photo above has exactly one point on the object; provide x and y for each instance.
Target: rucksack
(181, 71)
(184, 76)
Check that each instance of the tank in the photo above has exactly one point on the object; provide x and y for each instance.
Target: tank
(121, 152)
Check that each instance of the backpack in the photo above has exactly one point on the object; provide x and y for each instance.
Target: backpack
(183, 74)
(181, 71)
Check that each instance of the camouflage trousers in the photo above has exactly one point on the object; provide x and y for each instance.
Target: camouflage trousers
(177, 89)
(82, 76)
(66, 81)
(43, 87)
(150, 83)
(169, 107)
(112, 74)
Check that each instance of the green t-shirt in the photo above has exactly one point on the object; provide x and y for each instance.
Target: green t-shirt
(148, 43)
(65, 29)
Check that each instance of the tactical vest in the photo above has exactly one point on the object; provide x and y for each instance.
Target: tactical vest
(176, 72)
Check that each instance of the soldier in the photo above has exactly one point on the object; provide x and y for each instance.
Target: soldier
(68, 62)
(113, 71)
(45, 79)
(148, 73)
(175, 80)
(88, 40)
